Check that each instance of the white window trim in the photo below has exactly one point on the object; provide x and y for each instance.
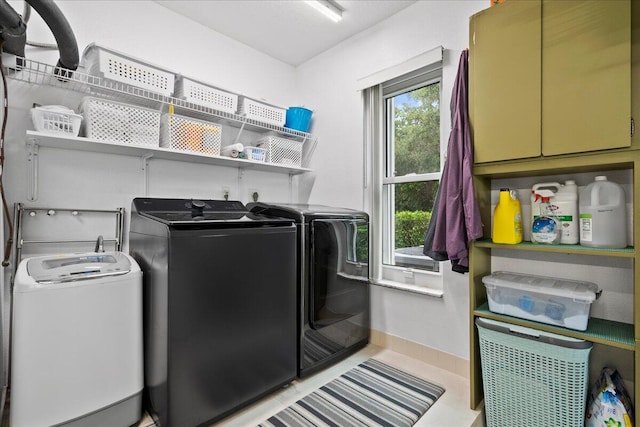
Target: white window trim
(413, 178)
(428, 286)
(401, 278)
(419, 61)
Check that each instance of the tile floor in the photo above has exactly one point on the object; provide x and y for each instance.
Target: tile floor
(451, 410)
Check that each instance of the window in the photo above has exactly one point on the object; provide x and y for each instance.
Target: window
(412, 173)
(402, 130)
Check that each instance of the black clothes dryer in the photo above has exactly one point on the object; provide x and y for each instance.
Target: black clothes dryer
(219, 306)
(333, 280)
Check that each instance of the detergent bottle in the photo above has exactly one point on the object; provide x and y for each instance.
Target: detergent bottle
(603, 216)
(563, 203)
(546, 227)
(507, 219)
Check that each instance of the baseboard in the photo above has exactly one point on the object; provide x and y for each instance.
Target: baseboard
(432, 356)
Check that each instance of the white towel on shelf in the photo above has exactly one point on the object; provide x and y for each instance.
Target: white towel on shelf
(232, 150)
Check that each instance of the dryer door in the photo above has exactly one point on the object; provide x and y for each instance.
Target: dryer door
(339, 271)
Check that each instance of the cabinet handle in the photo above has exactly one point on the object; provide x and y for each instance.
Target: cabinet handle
(633, 126)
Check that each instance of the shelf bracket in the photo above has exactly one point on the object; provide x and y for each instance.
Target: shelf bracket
(240, 131)
(144, 164)
(144, 160)
(32, 170)
(290, 187)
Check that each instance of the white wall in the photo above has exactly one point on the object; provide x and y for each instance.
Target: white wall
(82, 180)
(327, 83)
(145, 30)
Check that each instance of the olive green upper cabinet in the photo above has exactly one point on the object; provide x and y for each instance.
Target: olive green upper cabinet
(550, 77)
(635, 68)
(586, 75)
(505, 76)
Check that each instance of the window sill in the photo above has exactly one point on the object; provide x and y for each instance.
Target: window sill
(435, 293)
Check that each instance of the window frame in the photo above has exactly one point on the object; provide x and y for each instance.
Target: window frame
(378, 136)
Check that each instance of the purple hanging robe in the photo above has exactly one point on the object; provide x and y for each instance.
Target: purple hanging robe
(455, 220)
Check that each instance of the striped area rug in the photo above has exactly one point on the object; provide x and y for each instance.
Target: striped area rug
(371, 394)
(316, 347)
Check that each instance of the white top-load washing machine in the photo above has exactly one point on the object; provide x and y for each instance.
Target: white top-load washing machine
(76, 355)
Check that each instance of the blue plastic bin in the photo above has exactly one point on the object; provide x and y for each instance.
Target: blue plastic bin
(298, 118)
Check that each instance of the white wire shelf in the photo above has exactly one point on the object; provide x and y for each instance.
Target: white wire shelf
(38, 73)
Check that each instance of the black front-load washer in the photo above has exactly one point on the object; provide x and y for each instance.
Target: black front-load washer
(219, 306)
(333, 280)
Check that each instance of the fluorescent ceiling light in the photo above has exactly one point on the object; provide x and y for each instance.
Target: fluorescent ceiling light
(327, 7)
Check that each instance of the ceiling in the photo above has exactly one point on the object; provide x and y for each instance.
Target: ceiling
(287, 30)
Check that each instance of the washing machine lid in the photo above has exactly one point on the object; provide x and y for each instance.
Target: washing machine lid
(302, 211)
(69, 268)
(193, 212)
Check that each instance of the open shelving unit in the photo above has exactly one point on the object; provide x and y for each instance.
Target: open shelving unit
(628, 252)
(608, 332)
(548, 130)
(35, 73)
(107, 147)
(614, 334)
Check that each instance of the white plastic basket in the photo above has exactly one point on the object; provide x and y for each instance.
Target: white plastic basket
(262, 112)
(186, 134)
(121, 68)
(256, 154)
(115, 121)
(56, 120)
(206, 96)
(282, 151)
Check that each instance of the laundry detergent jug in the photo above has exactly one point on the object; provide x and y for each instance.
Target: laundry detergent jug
(603, 215)
(563, 204)
(507, 219)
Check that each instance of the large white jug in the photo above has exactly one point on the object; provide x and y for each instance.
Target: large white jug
(603, 216)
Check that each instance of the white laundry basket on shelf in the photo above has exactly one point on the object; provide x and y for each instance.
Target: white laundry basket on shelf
(119, 122)
(56, 120)
(123, 69)
(282, 151)
(186, 134)
(206, 95)
(261, 111)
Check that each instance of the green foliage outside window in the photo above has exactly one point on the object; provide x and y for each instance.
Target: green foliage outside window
(417, 150)
(411, 227)
(417, 144)
(362, 244)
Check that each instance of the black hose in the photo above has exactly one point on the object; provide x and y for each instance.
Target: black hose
(12, 30)
(3, 130)
(59, 26)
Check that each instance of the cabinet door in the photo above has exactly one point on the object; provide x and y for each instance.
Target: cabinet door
(505, 81)
(586, 75)
(635, 70)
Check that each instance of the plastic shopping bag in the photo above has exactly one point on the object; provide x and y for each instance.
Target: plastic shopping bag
(609, 404)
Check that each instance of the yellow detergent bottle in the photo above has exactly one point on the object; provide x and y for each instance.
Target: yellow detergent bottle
(507, 219)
